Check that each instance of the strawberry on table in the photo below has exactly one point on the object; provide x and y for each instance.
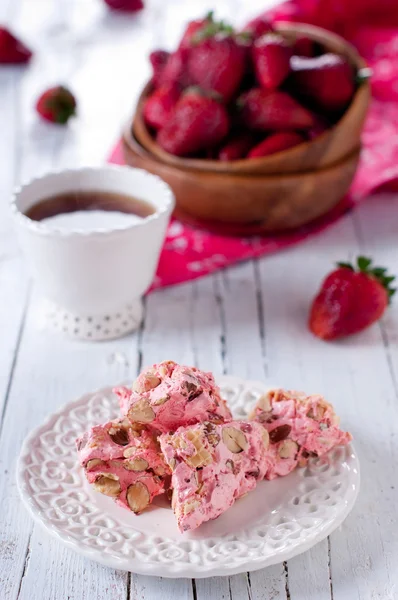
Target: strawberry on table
(350, 299)
(328, 80)
(276, 143)
(271, 58)
(159, 106)
(158, 60)
(12, 50)
(217, 60)
(56, 105)
(125, 5)
(198, 122)
(273, 110)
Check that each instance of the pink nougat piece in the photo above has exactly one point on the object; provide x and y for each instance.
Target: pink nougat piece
(299, 426)
(123, 462)
(213, 465)
(168, 396)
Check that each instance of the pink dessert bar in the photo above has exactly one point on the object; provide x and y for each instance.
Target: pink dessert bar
(123, 462)
(299, 426)
(213, 465)
(168, 396)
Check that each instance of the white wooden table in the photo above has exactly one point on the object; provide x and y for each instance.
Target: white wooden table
(249, 320)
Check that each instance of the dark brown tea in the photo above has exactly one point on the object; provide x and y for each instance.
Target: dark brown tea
(90, 209)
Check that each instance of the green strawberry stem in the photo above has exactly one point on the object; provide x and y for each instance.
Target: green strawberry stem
(211, 29)
(364, 265)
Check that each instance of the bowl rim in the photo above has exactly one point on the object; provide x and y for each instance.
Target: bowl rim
(42, 228)
(319, 34)
(135, 146)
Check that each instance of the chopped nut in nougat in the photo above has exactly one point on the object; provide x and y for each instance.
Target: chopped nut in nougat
(124, 462)
(168, 396)
(213, 465)
(299, 426)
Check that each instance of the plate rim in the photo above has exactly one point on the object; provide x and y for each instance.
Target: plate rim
(168, 570)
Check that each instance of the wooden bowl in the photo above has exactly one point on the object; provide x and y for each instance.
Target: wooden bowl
(270, 202)
(327, 149)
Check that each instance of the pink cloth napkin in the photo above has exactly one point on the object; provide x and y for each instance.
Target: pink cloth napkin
(189, 252)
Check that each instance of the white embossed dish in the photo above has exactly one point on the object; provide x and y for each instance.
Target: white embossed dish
(277, 521)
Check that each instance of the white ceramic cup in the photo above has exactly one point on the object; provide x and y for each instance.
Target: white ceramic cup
(94, 279)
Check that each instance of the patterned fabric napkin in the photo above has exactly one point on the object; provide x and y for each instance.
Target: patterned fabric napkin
(372, 27)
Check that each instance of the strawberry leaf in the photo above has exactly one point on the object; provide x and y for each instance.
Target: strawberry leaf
(363, 263)
(388, 280)
(379, 271)
(345, 265)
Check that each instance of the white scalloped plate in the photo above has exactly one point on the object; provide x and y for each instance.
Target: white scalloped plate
(277, 521)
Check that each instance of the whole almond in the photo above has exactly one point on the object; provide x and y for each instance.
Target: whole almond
(234, 439)
(94, 462)
(279, 433)
(138, 497)
(108, 484)
(146, 382)
(119, 436)
(288, 449)
(136, 464)
(141, 412)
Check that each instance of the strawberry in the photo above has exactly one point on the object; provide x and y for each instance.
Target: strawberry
(236, 147)
(304, 46)
(276, 143)
(328, 80)
(12, 51)
(193, 29)
(271, 58)
(350, 300)
(217, 63)
(158, 60)
(125, 5)
(258, 27)
(56, 105)
(159, 106)
(198, 122)
(275, 110)
(176, 69)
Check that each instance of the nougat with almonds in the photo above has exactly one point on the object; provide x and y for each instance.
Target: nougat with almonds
(299, 426)
(212, 466)
(124, 461)
(168, 396)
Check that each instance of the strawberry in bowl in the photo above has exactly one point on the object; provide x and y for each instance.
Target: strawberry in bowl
(266, 81)
(247, 143)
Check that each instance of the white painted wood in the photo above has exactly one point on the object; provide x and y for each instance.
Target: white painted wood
(157, 588)
(13, 284)
(50, 371)
(243, 339)
(214, 587)
(267, 583)
(249, 320)
(355, 375)
(309, 574)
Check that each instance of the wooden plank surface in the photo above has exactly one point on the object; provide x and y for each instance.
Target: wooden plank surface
(249, 321)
